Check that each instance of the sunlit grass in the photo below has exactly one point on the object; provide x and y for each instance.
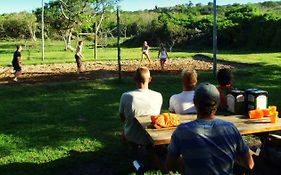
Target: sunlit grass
(50, 128)
(54, 53)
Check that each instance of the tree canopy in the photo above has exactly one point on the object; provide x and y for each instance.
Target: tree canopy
(250, 26)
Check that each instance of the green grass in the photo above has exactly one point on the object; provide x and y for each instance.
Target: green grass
(50, 129)
(54, 53)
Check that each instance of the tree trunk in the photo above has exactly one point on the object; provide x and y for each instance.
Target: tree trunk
(97, 27)
(171, 45)
(67, 40)
(32, 33)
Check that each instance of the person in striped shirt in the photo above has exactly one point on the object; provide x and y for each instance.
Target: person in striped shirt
(207, 145)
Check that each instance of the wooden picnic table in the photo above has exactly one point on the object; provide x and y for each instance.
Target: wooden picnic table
(244, 125)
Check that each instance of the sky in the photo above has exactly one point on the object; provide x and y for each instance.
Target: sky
(9, 6)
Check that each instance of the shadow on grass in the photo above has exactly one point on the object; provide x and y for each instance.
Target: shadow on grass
(54, 116)
(202, 57)
(72, 115)
(76, 163)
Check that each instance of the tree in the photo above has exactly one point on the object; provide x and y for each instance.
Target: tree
(18, 25)
(66, 16)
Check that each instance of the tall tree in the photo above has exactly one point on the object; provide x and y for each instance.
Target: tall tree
(66, 16)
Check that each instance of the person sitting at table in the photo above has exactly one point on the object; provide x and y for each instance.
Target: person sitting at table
(224, 78)
(207, 145)
(141, 101)
(182, 103)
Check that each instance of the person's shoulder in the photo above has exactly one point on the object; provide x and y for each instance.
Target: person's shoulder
(153, 91)
(176, 96)
(185, 127)
(155, 94)
(130, 92)
(224, 123)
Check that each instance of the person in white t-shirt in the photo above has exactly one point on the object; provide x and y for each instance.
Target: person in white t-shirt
(141, 101)
(182, 103)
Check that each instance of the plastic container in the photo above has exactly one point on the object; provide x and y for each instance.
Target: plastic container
(256, 99)
(274, 117)
(236, 102)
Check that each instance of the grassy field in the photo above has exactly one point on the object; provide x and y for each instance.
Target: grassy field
(65, 128)
(54, 53)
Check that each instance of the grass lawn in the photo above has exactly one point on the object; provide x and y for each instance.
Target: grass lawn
(54, 53)
(57, 128)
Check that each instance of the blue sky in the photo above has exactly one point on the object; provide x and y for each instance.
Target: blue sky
(7, 6)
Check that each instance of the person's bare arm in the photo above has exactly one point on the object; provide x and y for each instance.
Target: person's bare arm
(246, 160)
(19, 61)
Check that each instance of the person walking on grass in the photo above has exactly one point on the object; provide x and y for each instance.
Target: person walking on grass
(162, 55)
(207, 145)
(145, 52)
(79, 56)
(16, 62)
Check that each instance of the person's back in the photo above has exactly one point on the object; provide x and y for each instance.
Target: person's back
(141, 101)
(182, 103)
(224, 78)
(208, 145)
(137, 103)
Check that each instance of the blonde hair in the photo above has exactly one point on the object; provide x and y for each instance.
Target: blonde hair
(142, 74)
(189, 78)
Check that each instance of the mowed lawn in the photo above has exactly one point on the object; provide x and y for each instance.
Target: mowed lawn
(54, 52)
(71, 127)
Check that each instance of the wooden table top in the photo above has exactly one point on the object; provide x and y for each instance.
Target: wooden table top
(244, 125)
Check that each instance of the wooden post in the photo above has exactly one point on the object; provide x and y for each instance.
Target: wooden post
(118, 44)
(215, 39)
(96, 42)
(43, 38)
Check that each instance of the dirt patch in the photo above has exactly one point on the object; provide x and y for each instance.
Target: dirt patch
(103, 69)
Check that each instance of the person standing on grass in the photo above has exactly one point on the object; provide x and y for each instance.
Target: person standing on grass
(162, 55)
(207, 145)
(139, 102)
(182, 103)
(145, 52)
(79, 56)
(16, 62)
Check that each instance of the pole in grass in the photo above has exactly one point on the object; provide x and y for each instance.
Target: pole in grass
(43, 39)
(118, 43)
(215, 39)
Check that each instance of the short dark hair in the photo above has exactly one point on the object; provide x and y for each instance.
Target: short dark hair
(224, 76)
(18, 47)
(79, 42)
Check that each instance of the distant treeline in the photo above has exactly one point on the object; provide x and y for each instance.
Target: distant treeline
(250, 26)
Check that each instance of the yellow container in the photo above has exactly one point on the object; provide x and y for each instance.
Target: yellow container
(272, 108)
(274, 117)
